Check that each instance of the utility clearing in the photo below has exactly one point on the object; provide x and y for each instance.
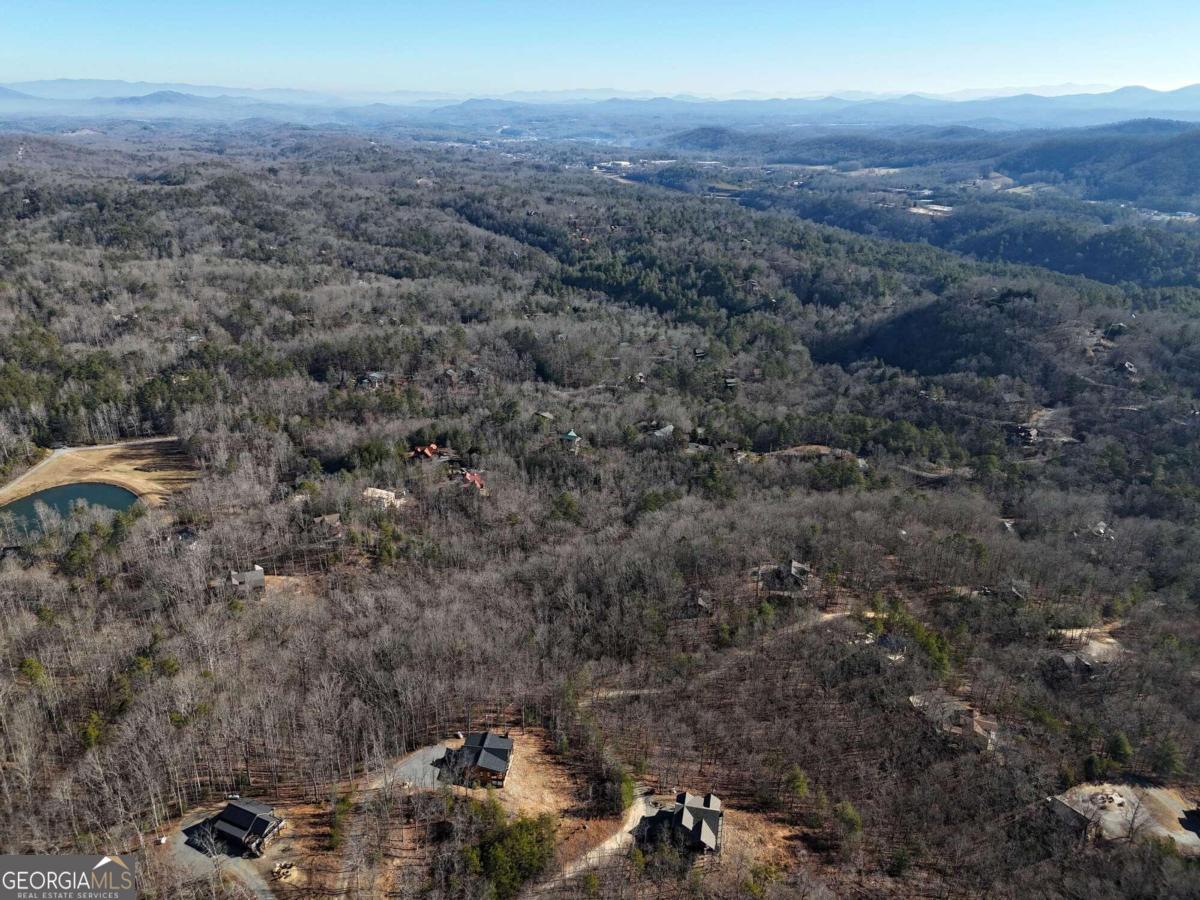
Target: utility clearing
(152, 468)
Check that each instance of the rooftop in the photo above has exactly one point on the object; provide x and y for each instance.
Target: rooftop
(700, 818)
(252, 578)
(481, 750)
(247, 821)
(956, 716)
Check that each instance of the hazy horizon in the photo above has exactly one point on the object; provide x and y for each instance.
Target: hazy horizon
(776, 49)
(963, 93)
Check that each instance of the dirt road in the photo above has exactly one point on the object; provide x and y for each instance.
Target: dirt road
(416, 770)
(151, 468)
(618, 843)
(602, 694)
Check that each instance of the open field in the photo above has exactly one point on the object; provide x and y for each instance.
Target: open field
(152, 468)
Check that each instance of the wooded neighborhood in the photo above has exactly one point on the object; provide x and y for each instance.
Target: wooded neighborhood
(515, 530)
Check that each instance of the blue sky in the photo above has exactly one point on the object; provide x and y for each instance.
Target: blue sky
(781, 48)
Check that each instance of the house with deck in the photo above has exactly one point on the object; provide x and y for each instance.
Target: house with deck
(957, 718)
(246, 827)
(695, 823)
(483, 759)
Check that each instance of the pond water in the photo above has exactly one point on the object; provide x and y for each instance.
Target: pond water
(63, 499)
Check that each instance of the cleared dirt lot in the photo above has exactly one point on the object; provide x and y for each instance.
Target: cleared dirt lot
(1123, 812)
(151, 468)
(755, 839)
(1098, 642)
(291, 587)
(538, 782)
(617, 842)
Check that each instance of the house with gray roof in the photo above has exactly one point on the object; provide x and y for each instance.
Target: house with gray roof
(484, 758)
(697, 821)
(250, 580)
(246, 826)
(371, 381)
(694, 822)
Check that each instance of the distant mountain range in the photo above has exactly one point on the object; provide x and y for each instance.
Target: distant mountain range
(599, 114)
(90, 88)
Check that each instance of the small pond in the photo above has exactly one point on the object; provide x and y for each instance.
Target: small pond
(64, 498)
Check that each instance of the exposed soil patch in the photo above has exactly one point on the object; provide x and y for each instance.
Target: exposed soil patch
(538, 782)
(292, 587)
(301, 863)
(1097, 642)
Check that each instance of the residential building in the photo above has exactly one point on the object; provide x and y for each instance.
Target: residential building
(246, 826)
(483, 759)
(250, 580)
(694, 822)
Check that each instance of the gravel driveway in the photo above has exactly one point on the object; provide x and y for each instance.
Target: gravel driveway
(417, 769)
(201, 866)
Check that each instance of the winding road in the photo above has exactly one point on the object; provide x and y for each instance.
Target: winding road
(618, 843)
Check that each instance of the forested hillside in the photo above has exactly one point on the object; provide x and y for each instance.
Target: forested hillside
(1151, 162)
(970, 461)
(1116, 204)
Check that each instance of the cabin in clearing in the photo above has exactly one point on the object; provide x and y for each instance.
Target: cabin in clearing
(484, 759)
(246, 826)
(694, 822)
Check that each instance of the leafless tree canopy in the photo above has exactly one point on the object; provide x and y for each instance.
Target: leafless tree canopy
(234, 287)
